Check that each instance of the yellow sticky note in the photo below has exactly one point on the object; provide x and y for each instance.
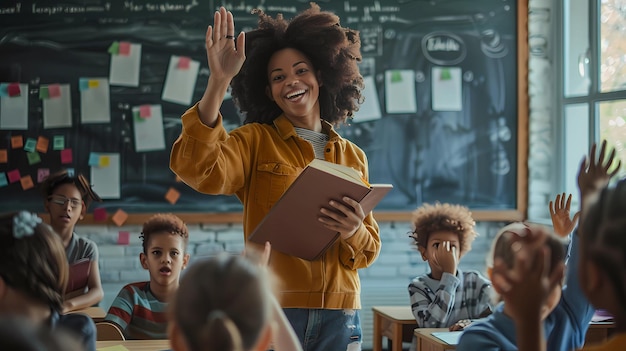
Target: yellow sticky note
(93, 83)
(104, 161)
(113, 348)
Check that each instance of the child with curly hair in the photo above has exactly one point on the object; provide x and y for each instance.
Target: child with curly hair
(66, 199)
(294, 81)
(443, 233)
(140, 309)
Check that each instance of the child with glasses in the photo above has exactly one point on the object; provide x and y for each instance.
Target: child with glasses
(66, 199)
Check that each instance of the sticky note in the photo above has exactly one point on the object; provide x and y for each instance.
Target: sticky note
(70, 172)
(30, 145)
(145, 111)
(100, 214)
(83, 84)
(27, 182)
(54, 90)
(42, 144)
(14, 90)
(3, 179)
(42, 174)
(113, 348)
(4, 156)
(172, 195)
(120, 217)
(66, 156)
(114, 49)
(94, 159)
(183, 62)
(58, 142)
(105, 161)
(93, 83)
(33, 157)
(44, 93)
(17, 141)
(4, 90)
(123, 238)
(14, 175)
(124, 48)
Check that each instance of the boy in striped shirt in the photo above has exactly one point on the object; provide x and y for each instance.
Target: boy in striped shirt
(140, 309)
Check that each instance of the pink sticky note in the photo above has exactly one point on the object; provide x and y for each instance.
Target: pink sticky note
(14, 176)
(123, 238)
(42, 174)
(145, 111)
(14, 89)
(54, 90)
(100, 214)
(66, 156)
(183, 62)
(124, 48)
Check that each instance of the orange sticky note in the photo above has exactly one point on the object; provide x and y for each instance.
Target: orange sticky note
(120, 217)
(42, 144)
(17, 142)
(27, 182)
(172, 195)
(4, 156)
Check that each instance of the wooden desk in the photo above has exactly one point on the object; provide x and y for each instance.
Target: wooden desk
(598, 332)
(394, 322)
(96, 313)
(427, 342)
(137, 345)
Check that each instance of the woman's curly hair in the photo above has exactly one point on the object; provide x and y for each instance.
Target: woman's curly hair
(458, 219)
(333, 50)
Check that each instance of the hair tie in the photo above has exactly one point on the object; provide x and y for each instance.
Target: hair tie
(24, 224)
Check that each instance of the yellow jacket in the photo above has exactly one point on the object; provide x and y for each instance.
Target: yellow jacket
(257, 163)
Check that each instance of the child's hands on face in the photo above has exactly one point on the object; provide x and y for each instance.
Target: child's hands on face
(527, 285)
(446, 257)
(559, 212)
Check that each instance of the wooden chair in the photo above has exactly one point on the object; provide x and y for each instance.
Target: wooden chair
(108, 331)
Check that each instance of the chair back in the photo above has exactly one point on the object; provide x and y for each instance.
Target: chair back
(108, 331)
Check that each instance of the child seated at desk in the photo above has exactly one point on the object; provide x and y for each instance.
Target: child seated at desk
(140, 308)
(602, 266)
(33, 276)
(564, 314)
(443, 233)
(66, 199)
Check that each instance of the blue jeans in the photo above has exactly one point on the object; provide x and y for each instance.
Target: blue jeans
(326, 330)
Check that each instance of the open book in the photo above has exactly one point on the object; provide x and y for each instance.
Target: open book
(79, 275)
(292, 225)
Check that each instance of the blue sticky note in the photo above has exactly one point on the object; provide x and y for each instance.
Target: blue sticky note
(3, 179)
(94, 159)
(4, 90)
(70, 172)
(58, 142)
(30, 145)
(83, 84)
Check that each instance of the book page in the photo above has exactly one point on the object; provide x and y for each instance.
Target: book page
(345, 172)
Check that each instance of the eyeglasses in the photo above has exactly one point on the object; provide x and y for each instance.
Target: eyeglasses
(62, 201)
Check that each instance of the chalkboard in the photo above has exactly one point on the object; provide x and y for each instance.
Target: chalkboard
(444, 116)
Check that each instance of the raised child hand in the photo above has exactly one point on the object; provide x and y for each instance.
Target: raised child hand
(446, 257)
(593, 174)
(560, 212)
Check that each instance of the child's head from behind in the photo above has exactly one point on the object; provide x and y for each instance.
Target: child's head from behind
(508, 243)
(223, 303)
(33, 266)
(66, 198)
(164, 255)
(436, 224)
(602, 262)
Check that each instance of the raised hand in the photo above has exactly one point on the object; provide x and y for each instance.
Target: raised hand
(447, 258)
(593, 174)
(560, 214)
(225, 58)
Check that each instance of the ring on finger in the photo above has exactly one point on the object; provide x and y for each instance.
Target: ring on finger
(229, 36)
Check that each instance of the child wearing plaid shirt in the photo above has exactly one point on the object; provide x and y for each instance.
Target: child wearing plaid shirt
(443, 233)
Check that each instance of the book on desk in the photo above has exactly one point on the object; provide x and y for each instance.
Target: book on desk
(292, 225)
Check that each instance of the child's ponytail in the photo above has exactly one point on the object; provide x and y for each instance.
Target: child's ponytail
(220, 333)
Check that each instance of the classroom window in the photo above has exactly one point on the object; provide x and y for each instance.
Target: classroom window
(593, 80)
